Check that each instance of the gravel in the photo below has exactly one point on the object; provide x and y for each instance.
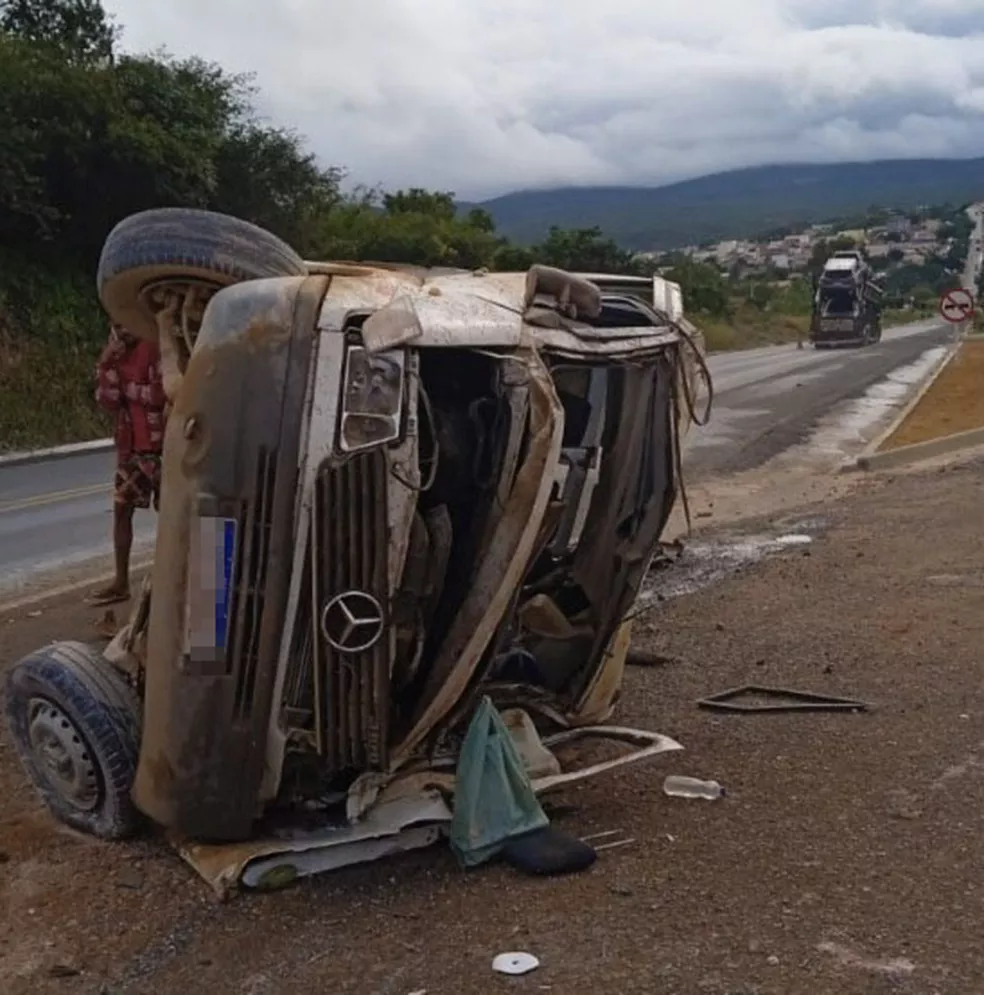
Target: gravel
(844, 859)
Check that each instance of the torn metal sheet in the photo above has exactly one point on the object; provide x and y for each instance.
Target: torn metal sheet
(794, 701)
(402, 824)
(392, 326)
(649, 744)
(395, 815)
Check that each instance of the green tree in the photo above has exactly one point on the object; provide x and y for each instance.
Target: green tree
(760, 293)
(265, 175)
(703, 287)
(414, 226)
(421, 203)
(584, 249)
(480, 219)
(510, 258)
(796, 298)
(79, 31)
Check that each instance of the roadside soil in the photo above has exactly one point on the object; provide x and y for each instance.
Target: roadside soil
(954, 403)
(845, 858)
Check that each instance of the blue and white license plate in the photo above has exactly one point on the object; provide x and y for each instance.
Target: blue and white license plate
(211, 574)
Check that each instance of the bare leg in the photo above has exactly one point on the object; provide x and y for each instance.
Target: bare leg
(119, 590)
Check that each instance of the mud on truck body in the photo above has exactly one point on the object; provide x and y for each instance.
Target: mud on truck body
(846, 303)
(386, 494)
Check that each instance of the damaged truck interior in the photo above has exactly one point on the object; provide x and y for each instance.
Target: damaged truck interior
(393, 501)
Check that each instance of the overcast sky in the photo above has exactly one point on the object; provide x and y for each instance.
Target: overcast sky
(486, 96)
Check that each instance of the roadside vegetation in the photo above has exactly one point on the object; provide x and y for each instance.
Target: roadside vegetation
(93, 134)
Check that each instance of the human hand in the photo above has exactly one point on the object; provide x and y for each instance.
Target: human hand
(116, 345)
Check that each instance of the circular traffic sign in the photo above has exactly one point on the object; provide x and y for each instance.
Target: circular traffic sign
(957, 305)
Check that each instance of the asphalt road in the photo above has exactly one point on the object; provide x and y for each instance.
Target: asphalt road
(766, 400)
(58, 513)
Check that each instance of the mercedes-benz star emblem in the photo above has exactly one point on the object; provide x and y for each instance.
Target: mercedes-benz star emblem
(352, 622)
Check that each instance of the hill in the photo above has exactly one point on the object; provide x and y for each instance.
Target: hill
(737, 204)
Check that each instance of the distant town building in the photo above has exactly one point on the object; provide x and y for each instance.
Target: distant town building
(899, 226)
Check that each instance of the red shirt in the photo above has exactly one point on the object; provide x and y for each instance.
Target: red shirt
(129, 385)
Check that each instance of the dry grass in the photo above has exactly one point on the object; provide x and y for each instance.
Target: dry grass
(954, 403)
(893, 316)
(750, 327)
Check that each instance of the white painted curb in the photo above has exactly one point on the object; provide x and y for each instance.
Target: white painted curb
(56, 452)
(940, 446)
(862, 462)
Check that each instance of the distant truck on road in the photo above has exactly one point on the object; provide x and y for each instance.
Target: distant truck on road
(846, 303)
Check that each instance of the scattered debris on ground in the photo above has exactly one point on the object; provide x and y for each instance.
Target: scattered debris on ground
(824, 870)
(706, 560)
(518, 962)
(756, 699)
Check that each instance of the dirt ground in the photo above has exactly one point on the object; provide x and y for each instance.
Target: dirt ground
(844, 859)
(954, 403)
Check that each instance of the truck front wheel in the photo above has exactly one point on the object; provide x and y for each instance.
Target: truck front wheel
(75, 724)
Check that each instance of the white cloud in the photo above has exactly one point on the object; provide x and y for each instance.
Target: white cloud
(484, 96)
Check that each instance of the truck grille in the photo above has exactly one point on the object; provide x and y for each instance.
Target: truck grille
(837, 325)
(249, 580)
(349, 546)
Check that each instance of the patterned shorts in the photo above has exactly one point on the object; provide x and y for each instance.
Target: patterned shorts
(138, 481)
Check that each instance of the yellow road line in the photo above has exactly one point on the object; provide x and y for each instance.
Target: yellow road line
(53, 497)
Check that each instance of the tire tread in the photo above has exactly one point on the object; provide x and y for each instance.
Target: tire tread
(83, 684)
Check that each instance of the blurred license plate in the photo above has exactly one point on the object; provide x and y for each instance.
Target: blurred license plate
(211, 573)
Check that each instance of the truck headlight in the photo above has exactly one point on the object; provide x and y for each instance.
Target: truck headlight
(373, 398)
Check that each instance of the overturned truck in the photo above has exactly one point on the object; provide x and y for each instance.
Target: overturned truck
(846, 303)
(387, 494)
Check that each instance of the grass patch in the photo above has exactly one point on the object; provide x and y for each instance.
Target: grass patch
(905, 316)
(749, 327)
(51, 332)
(46, 397)
(954, 403)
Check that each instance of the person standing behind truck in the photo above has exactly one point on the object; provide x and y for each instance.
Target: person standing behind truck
(129, 386)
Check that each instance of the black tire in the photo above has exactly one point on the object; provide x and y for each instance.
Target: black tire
(69, 696)
(176, 243)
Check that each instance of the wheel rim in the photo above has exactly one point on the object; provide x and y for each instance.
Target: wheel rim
(63, 755)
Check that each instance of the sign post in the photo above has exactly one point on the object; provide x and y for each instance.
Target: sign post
(957, 305)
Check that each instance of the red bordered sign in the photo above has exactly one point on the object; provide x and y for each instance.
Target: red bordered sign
(957, 305)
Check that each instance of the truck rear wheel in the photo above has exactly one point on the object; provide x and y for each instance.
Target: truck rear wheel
(182, 246)
(75, 724)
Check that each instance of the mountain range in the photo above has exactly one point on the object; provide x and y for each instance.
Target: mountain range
(736, 204)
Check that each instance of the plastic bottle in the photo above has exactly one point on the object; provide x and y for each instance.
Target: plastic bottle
(677, 786)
